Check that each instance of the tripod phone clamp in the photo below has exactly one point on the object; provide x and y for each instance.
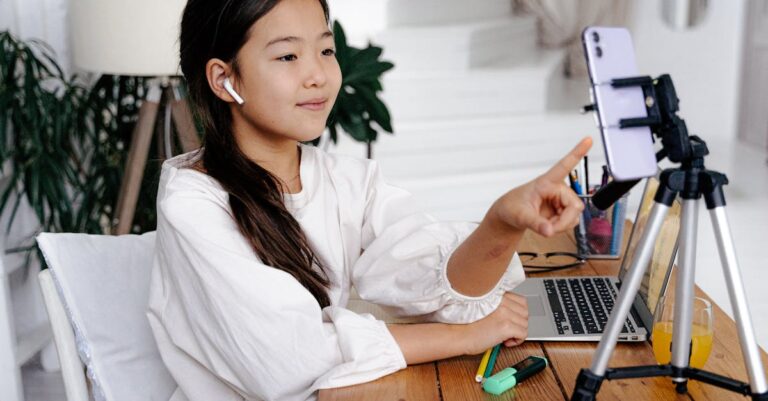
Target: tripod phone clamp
(662, 105)
(691, 181)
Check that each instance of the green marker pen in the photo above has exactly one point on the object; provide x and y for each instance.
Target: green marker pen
(511, 376)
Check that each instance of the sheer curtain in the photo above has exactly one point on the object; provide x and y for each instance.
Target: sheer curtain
(560, 23)
(39, 19)
(44, 20)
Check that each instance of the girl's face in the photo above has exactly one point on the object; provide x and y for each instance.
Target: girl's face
(288, 73)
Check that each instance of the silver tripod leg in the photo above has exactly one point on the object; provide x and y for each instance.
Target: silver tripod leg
(738, 300)
(629, 287)
(684, 289)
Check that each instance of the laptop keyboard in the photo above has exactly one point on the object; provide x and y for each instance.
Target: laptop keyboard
(582, 305)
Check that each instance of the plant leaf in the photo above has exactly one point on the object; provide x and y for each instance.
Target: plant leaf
(367, 72)
(376, 108)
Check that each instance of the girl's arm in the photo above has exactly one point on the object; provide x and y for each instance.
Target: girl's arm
(429, 342)
(545, 205)
(476, 266)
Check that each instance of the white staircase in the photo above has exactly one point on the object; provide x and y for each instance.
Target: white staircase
(24, 327)
(440, 12)
(476, 106)
(458, 46)
(502, 88)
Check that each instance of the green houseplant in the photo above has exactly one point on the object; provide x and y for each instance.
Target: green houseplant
(358, 105)
(63, 143)
(38, 135)
(38, 131)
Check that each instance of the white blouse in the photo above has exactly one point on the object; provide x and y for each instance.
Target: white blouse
(231, 328)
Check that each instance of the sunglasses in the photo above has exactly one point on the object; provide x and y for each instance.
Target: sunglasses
(534, 262)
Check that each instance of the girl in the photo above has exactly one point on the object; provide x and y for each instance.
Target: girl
(261, 238)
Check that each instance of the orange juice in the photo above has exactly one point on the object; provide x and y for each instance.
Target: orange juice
(662, 341)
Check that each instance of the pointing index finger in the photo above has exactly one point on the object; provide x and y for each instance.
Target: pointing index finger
(562, 168)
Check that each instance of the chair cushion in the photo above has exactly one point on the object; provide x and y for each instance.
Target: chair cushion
(103, 282)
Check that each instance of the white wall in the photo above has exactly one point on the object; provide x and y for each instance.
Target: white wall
(704, 62)
(359, 20)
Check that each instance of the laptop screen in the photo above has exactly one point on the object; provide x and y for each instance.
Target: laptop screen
(657, 273)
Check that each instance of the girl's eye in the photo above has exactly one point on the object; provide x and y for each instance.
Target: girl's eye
(288, 57)
(329, 52)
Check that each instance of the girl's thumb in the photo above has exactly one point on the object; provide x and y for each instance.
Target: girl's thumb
(541, 226)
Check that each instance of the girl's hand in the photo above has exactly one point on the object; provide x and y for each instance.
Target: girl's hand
(545, 205)
(507, 324)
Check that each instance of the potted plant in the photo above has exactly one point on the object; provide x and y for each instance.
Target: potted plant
(358, 106)
(38, 134)
(62, 144)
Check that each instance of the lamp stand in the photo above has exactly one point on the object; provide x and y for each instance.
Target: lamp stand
(164, 91)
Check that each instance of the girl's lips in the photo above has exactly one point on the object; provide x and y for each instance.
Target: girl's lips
(314, 104)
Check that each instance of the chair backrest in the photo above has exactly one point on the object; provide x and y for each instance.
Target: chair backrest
(100, 285)
(95, 292)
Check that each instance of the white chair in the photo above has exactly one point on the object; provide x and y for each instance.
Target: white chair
(72, 369)
(96, 290)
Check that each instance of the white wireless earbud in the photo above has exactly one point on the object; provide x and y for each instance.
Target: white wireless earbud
(228, 87)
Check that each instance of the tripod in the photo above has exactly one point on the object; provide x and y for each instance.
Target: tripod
(691, 181)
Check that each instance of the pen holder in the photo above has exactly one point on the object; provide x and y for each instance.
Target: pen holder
(599, 233)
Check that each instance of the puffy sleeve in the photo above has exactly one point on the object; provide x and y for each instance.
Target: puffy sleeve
(405, 255)
(255, 327)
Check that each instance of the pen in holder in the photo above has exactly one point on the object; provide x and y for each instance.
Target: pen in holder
(600, 232)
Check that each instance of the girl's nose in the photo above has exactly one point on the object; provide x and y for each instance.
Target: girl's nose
(316, 73)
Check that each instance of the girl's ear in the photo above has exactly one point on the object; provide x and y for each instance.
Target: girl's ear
(217, 72)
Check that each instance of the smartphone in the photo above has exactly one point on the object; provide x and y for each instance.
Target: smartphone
(610, 54)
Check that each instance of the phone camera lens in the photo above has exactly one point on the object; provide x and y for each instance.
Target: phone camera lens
(595, 37)
(599, 51)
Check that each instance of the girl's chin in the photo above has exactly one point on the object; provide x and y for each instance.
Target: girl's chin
(311, 133)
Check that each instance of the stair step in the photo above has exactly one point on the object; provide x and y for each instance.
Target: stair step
(458, 46)
(456, 168)
(361, 22)
(535, 151)
(419, 137)
(466, 197)
(505, 87)
(433, 153)
(428, 12)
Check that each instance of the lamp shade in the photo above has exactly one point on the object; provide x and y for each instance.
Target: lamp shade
(126, 37)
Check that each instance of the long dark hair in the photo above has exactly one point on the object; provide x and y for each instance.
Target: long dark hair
(218, 29)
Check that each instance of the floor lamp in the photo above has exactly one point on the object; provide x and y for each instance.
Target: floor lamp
(137, 38)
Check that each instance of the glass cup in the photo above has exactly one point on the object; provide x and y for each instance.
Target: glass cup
(701, 332)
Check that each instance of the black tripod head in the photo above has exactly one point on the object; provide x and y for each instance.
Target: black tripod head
(662, 104)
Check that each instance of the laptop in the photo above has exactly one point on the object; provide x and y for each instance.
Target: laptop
(576, 308)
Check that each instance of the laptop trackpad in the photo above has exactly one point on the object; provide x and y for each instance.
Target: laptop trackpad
(535, 305)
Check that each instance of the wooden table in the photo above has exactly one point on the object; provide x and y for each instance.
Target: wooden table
(453, 379)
